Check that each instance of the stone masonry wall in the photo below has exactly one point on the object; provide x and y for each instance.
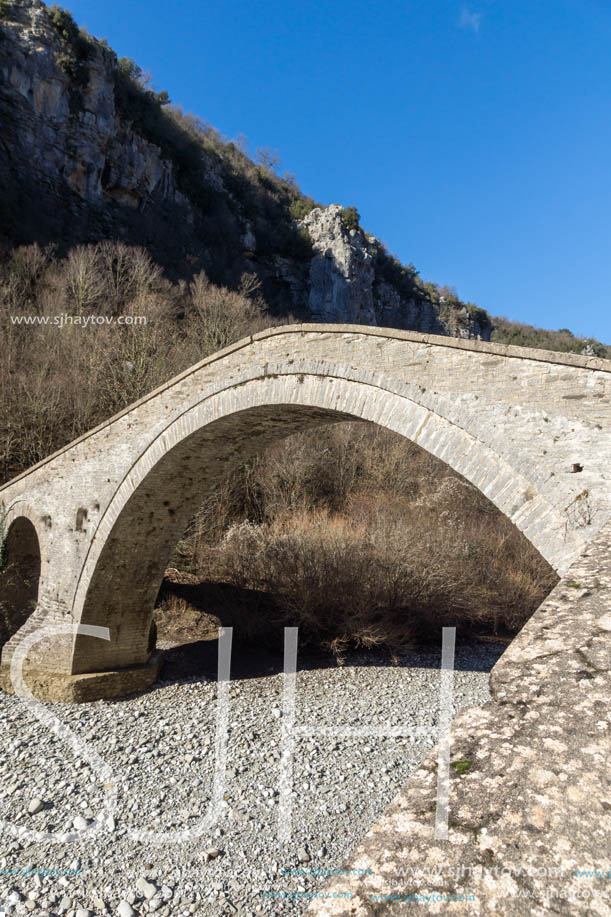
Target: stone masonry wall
(529, 428)
(531, 804)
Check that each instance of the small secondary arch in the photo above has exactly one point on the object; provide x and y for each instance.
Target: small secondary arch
(20, 568)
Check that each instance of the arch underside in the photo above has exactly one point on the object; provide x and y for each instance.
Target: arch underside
(131, 566)
(19, 576)
(162, 491)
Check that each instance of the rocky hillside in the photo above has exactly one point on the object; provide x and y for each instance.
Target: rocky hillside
(89, 152)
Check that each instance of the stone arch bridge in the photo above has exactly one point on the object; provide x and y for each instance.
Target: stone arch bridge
(91, 528)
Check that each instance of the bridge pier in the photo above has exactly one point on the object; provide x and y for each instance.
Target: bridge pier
(59, 687)
(49, 668)
(42, 564)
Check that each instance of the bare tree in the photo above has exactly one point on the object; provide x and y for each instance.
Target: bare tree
(268, 159)
(221, 316)
(83, 278)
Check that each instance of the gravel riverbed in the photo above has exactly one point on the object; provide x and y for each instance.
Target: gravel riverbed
(161, 748)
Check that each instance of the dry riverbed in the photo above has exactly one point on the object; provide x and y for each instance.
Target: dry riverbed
(161, 748)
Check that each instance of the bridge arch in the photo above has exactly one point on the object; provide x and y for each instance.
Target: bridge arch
(129, 551)
(528, 428)
(22, 564)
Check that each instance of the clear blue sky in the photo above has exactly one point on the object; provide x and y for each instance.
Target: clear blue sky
(474, 138)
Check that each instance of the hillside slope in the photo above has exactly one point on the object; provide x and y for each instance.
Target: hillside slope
(88, 152)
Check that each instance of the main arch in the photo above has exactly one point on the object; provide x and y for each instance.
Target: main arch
(528, 428)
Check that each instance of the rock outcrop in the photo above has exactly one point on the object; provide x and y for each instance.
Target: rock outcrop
(78, 163)
(341, 271)
(70, 168)
(344, 285)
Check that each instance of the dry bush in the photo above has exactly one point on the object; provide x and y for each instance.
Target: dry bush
(22, 276)
(381, 574)
(326, 575)
(220, 316)
(321, 469)
(360, 537)
(108, 278)
(130, 276)
(83, 279)
(58, 382)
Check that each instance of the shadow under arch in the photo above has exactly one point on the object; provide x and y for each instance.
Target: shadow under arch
(130, 550)
(19, 576)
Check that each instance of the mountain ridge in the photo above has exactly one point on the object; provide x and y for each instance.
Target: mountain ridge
(89, 152)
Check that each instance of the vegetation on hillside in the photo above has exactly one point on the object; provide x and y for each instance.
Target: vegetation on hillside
(563, 341)
(76, 50)
(57, 382)
(227, 186)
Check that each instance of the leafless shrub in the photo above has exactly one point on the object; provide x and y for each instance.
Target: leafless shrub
(361, 538)
(83, 278)
(56, 383)
(220, 316)
(376, 576)
(129, 275)
(22, 274)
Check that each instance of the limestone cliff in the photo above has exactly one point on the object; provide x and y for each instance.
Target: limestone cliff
(341, 271)
(346, 285)
(86, 153)
(70, 168)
